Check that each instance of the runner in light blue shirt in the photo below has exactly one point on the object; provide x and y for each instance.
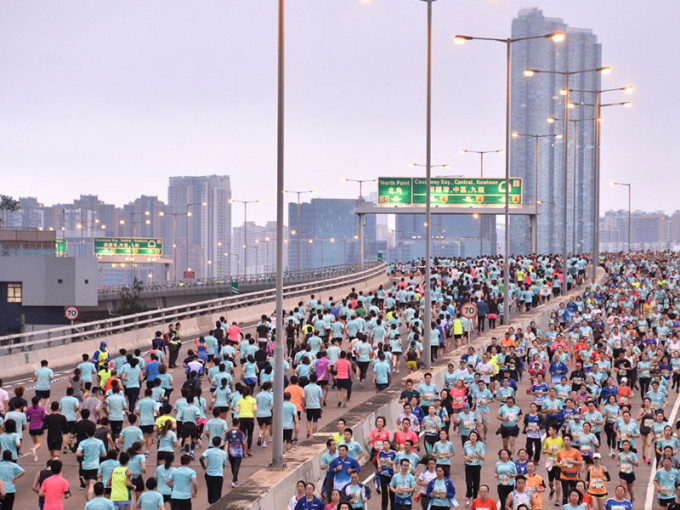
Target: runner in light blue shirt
(183, 480)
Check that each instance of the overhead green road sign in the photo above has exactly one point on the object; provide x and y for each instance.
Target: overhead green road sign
(127, 246)
(460, 191)
(61, 247)
(446, 191)
(394, 190)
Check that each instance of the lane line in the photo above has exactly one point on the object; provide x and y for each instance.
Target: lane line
(649, 500)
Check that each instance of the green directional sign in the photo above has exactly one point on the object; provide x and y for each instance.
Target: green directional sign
(128, 246)
(60, 247)
(444, 191)
(460, 191)
(234, 289)
(394, 190)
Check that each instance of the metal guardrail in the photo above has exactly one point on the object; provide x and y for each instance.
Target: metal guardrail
(289, 276)
(100, 329)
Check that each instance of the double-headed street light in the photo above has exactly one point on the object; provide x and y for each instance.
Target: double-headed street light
(481, 174)
(360, 182)
(549, 136)
(461, 39)
(628, 89)
(627, 184)
(245, 230)
(567, 75)
(299, 226)
(481, 157)
(574, 122)
(445, 165)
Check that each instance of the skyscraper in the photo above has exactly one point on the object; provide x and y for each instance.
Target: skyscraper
(533, 101)
(202, 224)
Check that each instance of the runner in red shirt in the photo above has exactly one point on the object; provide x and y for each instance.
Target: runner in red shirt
(401, 436)
(483, 502)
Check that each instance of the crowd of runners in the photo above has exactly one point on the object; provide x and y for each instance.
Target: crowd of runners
(599, 376)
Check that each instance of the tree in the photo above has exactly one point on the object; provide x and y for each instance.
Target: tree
(7, 203)
(129, 299)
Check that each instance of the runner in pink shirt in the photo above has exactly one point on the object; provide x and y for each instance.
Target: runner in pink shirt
(54, 488)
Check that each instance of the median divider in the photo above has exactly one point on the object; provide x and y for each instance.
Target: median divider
(271, 489)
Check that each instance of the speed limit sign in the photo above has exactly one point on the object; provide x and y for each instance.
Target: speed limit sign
(469, 310)
(71, 313)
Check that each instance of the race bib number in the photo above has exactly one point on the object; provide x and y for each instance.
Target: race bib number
(625, 400)
(626, 468)
(666, 491)
(468, 424)
(473, 457)
(503, 480)
(648, 422)
(533, 427)
(553, 449)
(510, 417)
(457, 400)
(566, 463)
(596, 483)
(586, 448)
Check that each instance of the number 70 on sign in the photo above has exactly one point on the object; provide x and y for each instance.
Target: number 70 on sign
(469, 310)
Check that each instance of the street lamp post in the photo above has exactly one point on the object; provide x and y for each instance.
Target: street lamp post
(536, 138)
(567, 75)
(245, 229)
(299, 218)
(277, 408)
(460, 39)
(481, 174)
(554, 220)
(403, 237)
(174, 237)
(596, 177)
(361, 216)
(188, 215)
(574, 122)
(134, 234)
(344, 248)
(628, 185)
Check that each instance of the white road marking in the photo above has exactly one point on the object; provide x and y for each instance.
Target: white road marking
(649, 500)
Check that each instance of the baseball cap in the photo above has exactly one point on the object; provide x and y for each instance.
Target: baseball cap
(597, 456)
(624, 379)
(466, 405)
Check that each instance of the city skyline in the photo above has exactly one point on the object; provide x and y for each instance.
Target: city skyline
(100, 108)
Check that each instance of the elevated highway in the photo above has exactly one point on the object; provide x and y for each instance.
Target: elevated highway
(164, 295)
(21, 353)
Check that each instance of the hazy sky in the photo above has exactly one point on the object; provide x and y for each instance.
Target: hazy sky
(112, 98)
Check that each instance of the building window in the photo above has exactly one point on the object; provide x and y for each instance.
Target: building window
(14, 293)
